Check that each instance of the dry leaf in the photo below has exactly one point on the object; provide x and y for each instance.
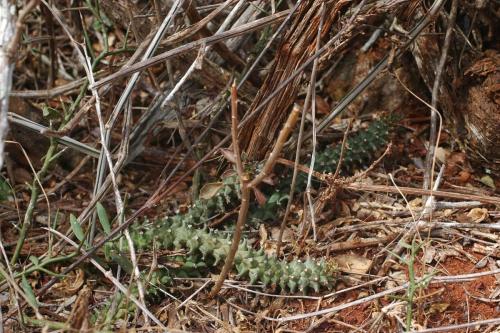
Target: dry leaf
(259, 196)
(228, 155)
(441, 154)
(415, 203)
(70, 285)
(262, 234)
(488, 181)
(438, 307)
(397, 278)
(353, 263)
(78, 319)
(464, 176)
(287, 234)
(444, 253)
(429, 254)
(344, 210)
(270, 248)
(477, 215)
(209, 190)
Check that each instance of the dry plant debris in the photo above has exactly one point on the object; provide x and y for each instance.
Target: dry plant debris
(259, 193)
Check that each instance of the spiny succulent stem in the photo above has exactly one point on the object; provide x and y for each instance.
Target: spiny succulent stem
(207, 249)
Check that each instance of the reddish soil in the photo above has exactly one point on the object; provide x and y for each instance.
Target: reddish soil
(438, 305)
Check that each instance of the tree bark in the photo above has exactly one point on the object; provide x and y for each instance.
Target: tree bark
(7, 28)
(469, 90)
(298, 44)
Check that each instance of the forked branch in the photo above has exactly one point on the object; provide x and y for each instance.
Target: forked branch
(246, 185)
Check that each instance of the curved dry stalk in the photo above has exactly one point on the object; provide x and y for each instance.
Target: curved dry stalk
(430, 159)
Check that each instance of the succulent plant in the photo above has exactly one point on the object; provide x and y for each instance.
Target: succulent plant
(360, 150)
(207, 248)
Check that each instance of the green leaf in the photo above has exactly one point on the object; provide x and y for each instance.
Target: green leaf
(4, 189)
(124, 263)
(31, 298)
(76, 227)
(34, 260)
(103, 218)
(277, 198)
(49, 112)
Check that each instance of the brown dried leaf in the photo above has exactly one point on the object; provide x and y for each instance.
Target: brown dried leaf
(209, 190)
(78, 319)
(70, 285)
(263, 234)
(429, 254)
(438, 307)
(259, 196)
(477, 215)
(287, 234)
(353, 263)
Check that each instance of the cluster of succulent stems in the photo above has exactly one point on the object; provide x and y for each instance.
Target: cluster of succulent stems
(205, 248)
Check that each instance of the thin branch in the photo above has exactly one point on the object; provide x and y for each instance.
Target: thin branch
(124, 97)
(245, 194)
(417, 191)
(312, 87)
(282, 137)
(430, 159)
(143, 64)
(342, 151)
(36, 186)
(245, 186)
(10, 34)
(234, 134)
(450, 328)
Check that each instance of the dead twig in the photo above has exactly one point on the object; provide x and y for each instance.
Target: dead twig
(450, 328)
(245, 194)
(312, 89)
(430, 159)
(416, 191)
(141, 65)
(246, 185)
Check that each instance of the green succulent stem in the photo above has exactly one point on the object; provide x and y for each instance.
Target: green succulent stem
(209, 248)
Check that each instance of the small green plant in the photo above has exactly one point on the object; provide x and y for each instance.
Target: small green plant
(414, 284)
(209, 248)
(5, 189)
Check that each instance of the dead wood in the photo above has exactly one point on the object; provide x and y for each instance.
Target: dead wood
(468, 94)
(298, 44)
